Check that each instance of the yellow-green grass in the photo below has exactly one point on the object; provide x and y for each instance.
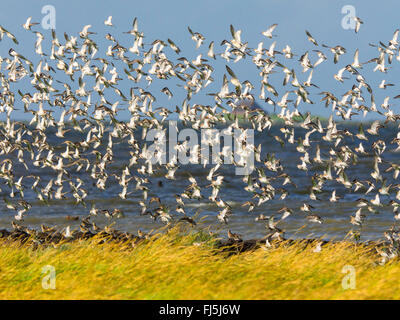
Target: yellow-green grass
(175, 266)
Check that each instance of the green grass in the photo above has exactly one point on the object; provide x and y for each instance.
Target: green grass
(176, 266)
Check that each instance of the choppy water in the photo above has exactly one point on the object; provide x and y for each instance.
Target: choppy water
(336, 216)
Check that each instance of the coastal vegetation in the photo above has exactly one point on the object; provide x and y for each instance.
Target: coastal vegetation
(185, 264)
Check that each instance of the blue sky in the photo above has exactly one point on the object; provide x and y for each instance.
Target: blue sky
(169, 19)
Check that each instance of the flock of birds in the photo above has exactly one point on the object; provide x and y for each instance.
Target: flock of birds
(60, 82)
